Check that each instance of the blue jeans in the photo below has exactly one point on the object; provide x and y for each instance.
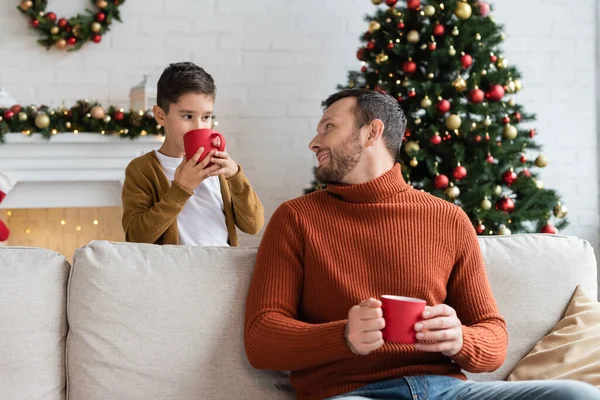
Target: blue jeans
(446, 388)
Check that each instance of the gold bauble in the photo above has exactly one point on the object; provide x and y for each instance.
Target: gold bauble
(95, 27)
(560, 210)
(463, 10)
(497, 190)
(426, 102)
(411, 147)
(510, 132)
(487, 121)
(502, 63)
(453, 122)
(61, 43)
(430, 75)
(455, 31)
(22, 116)
(381, 58)
(42, 121)
(518, 85)
(26, 5)
(76, 30)
(511, 102)
(460, 84)
(541, 161)
(107, 119)
(101, 3)
(414, 162)
(539, 184)
(503, 230)
(377, 2)
(418, 121)
(429, 10)
(97, 112)
(54, 30)
(374, 26)
(483, 72)
(486, 204)
(413, 37)
(453, 192)
(452, 51)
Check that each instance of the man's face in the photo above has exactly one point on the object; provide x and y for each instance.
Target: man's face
(338, 143)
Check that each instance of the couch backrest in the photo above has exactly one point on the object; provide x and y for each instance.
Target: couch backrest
(33, 324)
(533, 277)
(152, 322)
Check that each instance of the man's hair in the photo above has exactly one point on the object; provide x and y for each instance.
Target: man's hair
(371, 105)
(182, 78)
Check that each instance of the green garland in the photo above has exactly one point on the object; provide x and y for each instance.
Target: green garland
(84, 116)
(74, 32)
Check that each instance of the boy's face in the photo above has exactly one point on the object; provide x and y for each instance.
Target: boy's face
(192, 111)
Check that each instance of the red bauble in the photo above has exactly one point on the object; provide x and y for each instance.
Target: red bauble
(466, 61)
(50, 16)
(96, 38)
(518, 117)
(509, 177)
(62, 23)
(525, 173)
(370, 45)
(476, 96)
(549, 229)
(118, 116)
(432, 46)
(506, 119)
(493, 58)
(495, 93)
(411, 4)
(435, 140)
(360, 54)
(364, 69)
(391, 3)
(441, 182)
(532, 133)
(505, 204)
(8, 114)
(412, 93)
(409, 67)
(400, 98)
(72, 41)
(443, 106)
(100, 17)
(459, 172)
(401, 25)
(35, 23)
(439, 30)
(16, 108)
(478, 138)
(490, 159)
(523, 159)
(391, 46)
(484, 8)
(480, 229)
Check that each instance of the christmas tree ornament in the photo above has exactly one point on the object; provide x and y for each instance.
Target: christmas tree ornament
(22, 116)
(441, 182)
(413, 37)
(376, 2)
(541, 161)
(495, 93)
(373, 26)
(107, 119)
(426, 102)
(487, 121)
(414, 162)
(452, 51)
(523, 159)
(506, 119)
(432, 46)
(502, 63)
(429, 10)
(466, 61)
(463, 10)
(371, 45)
(381, 58)
(509, 177)
(503, 230)
(459, 84)
(26, 5)
(532, 133)
(391, 45)
(118, 115)
(401, 24)
(8, 114)
(430, 75)
(486, 204)
(453, 122)
(50, 16)
(411, 147)
(478, 37)
(62, 23)
(71, 41)
(459, 172)
(497, 190)
(509, 132)
(42, 121)
(360, 54)
(518, 116)
(505, 204)
(490, 159)
(100, 17)
(443, 106)
(539, 184)
(525, 173)
(417, 121)
(518, 85)
(549, 229)
(54, 30)
(413, 4)
(409, 67)
(455, 31)
(97, 112)
(439, 30)
(412, 93)
(484, 8)
(480, 228)
(493, 58)
(436, 139)
(452, 192)
(483, 72)
(68, 125)
(560, 210)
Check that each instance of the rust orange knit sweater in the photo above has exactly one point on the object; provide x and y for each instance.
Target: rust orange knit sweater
(325, 252)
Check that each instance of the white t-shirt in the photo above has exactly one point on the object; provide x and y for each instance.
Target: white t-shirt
(201, 222)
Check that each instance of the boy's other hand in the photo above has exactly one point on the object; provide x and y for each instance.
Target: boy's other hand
(190, 173)
(228, 167)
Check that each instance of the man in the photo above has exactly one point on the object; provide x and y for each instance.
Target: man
(327, 257)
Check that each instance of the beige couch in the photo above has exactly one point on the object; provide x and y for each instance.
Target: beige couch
(132, 321)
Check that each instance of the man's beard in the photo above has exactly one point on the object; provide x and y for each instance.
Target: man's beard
(342, 161)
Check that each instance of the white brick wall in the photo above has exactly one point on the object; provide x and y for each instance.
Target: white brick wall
(274, 60)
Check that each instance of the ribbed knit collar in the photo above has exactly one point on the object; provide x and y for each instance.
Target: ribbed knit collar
(372, 191)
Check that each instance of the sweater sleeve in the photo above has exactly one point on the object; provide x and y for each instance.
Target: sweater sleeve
(485, 339)
(144, 220)
(248, 210)
(274, 337)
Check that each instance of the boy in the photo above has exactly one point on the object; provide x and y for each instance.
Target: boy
(170, 200)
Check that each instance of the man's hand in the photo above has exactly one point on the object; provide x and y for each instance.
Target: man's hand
(189, 174)
(440, 331)
(363, 330)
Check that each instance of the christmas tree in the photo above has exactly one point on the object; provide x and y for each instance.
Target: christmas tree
(467, 141)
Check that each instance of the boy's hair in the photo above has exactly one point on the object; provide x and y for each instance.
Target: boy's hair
(181, 78)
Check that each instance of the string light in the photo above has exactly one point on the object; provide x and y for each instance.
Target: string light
(78, 228)
(63, 222)
(95, 222)
(28, 231)
(8, 213)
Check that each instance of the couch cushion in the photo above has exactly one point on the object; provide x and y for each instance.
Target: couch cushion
(161, 322)
(533, 278)
(33, 324)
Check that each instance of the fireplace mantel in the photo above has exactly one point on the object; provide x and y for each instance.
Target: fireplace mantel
(69, 170)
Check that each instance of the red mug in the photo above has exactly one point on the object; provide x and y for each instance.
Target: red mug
(400, 315)
(197, 138)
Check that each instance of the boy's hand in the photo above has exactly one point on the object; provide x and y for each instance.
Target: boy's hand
(228, 167)
(190, 173)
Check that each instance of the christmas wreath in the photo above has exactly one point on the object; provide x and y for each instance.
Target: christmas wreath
(71, 33)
